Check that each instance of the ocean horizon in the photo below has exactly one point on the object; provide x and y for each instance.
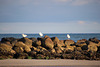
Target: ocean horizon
(61, 36)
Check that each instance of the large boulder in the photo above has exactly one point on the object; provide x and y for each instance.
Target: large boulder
(35, 49)
(10, 39)
(93, 44)
(33, 39)
(27, 41)
(99, 49)
(62, 42)
(99, 44)
(82, 40)
(18, 49)
(43, 51)
(49, 43)
(13, 43)
(68, 56)
(5, 45)
(53, 51)
(94, 40)
(32, 54)
(62, 48)
(42, 40)
(55, 39)
(46, 36)
(58, 50)
(78, 49)
(84, 47)
(8, 43)
(92, 48)
(40, 56)
(24, 46)
(6, 50)
(41, 48)
(79, 56)
(38, 43)
(27, 49)
(71, 48)
(80, 44)
(59, 44)
(6, 57)
(20, 44)
(69, 42)
(98, 56)
(21, 55)
(58, 56)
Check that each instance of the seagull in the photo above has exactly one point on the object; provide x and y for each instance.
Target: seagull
(68, 36)
(40, 34)
(24, 35)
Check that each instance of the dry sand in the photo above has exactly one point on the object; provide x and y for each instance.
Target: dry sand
(59, 62)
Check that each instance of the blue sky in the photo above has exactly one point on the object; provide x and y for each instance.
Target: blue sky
(50, 16)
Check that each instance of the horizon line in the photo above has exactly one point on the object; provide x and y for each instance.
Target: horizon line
(56, 33)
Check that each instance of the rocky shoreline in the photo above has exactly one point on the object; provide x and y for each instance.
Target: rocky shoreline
(49, 48)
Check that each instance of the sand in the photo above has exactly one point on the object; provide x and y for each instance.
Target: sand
(59, 62)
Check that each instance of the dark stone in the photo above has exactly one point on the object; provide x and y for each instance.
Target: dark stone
(37, 43)
(43, 51)
(40, 56)
(58, 50)
(57, 56)
(86, 53)
(6, 57)
(69, 42)
(20, 55)
(55, 39)
(80, 44)
(48, 43)
(10, 39)
(82, 40)
(67, 56)
(94, 40)
(33, 39)
(98, 49)
(32, 54)
(98, 56)
(85, 47)
(27, 41)
(78, 49)
(18, 49)
(6, 49)
(46, 36)
(42, 41)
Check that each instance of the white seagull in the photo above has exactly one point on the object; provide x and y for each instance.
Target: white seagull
(68, 36)
(24, 35)
(40, 34)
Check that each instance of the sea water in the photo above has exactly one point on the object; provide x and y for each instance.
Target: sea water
(74, 36)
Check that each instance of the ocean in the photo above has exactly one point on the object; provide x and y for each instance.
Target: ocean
(74, 36)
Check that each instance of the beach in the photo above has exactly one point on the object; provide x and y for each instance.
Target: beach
(40, 63)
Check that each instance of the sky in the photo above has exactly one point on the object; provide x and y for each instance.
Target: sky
(50, 16)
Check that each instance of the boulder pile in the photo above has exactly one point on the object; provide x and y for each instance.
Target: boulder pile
(49, 48)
